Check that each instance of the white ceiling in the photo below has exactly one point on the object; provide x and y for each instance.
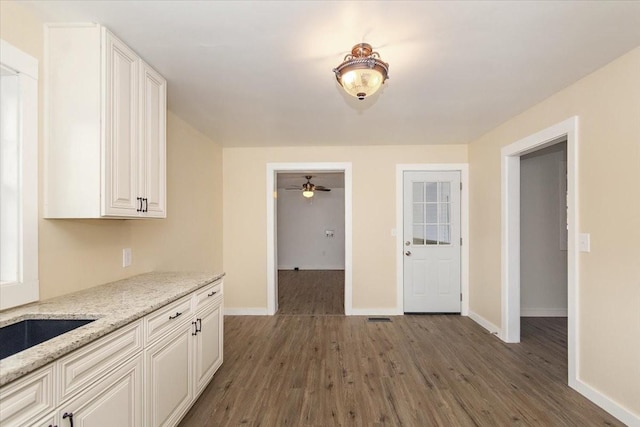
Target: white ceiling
(259, 73)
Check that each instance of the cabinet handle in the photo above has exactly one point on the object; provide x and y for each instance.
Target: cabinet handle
(195, 328)
(139, 199)
(70, 416)
(177, 314)
(199, 325)
(212, 293)
(146, 205)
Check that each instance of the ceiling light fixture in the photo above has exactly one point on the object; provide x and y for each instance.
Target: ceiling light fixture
(362, 72)
(307, 193)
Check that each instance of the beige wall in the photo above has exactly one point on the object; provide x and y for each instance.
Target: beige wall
(607, 103)
(374, 181)
(78, 254)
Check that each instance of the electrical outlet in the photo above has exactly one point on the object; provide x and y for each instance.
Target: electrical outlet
(126, 257)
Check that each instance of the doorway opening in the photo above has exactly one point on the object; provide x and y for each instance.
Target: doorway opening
(543, 254)
(304, 169)
(310, 242)
(512, 253)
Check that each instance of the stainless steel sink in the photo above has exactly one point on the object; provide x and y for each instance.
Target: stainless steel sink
(22, 335)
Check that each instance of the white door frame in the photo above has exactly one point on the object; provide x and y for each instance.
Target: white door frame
(272, 248)
(463, 168)
(511, 232)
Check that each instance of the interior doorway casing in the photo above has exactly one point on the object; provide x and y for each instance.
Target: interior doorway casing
(463, 168)
(510, 331)
(272, 248)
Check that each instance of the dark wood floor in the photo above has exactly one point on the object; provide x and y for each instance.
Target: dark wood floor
(311, 292)
(415, 371)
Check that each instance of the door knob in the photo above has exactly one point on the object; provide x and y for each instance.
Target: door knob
(408, 253)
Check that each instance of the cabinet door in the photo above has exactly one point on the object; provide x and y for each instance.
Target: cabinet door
(120, 142)
(115, 401)
(208, 353)
(169, 379)
(153, 107)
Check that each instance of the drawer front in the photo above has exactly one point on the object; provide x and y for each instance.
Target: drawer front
(87, 364)
(167, 318)
(27, 398)
(208, 293)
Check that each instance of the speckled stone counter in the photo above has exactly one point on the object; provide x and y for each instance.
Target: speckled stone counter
(113, 305)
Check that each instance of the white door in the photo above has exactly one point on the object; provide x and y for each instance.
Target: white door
(432, 242)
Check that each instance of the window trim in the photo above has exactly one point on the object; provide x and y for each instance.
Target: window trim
(26, 289)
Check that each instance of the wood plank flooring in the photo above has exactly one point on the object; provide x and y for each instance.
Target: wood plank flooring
(311, 292)
(435, 370)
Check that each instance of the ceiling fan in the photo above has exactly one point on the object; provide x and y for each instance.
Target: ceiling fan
(308, 188)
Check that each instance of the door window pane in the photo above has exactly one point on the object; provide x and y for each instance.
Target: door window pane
(444, 236)
(432, 235)
(418, 192)
(432, 191)
(444, 213)
(418, 213)
(445, 192)
(432, 213)
(418, 234)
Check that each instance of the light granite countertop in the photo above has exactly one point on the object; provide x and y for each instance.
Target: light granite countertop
(113, 305)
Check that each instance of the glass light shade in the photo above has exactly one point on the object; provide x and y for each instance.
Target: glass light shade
(361, 82)
(307, 194)
(362, 72)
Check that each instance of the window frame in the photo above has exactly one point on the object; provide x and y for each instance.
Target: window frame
(26, 288)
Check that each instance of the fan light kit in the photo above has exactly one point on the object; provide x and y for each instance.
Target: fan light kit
(362, 72)
(308, 188)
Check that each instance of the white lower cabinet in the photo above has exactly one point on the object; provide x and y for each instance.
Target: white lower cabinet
(208, 343)
(180, 364)
(169, 385)
(114, 401)
(147, 373)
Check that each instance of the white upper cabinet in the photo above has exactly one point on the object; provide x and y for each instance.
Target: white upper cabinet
(105, 127)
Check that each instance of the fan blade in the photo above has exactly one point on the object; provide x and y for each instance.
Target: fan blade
(322, 189)
(294, 188)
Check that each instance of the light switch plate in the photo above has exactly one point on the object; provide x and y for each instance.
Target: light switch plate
(584, 242)
(126, 257)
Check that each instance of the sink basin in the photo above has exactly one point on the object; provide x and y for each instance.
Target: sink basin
(27, 333)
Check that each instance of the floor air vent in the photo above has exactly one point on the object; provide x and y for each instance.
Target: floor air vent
(378, 319)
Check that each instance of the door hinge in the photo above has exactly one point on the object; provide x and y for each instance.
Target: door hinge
(460, 186)
(460, 296)
(461, 241)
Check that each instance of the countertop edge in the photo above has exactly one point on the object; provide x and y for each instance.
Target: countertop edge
(30, 360)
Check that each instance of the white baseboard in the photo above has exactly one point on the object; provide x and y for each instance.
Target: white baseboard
(543, 312)
(391, 311)
(485, 323)
(248, 311)
(609, 405)
(311, 267)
